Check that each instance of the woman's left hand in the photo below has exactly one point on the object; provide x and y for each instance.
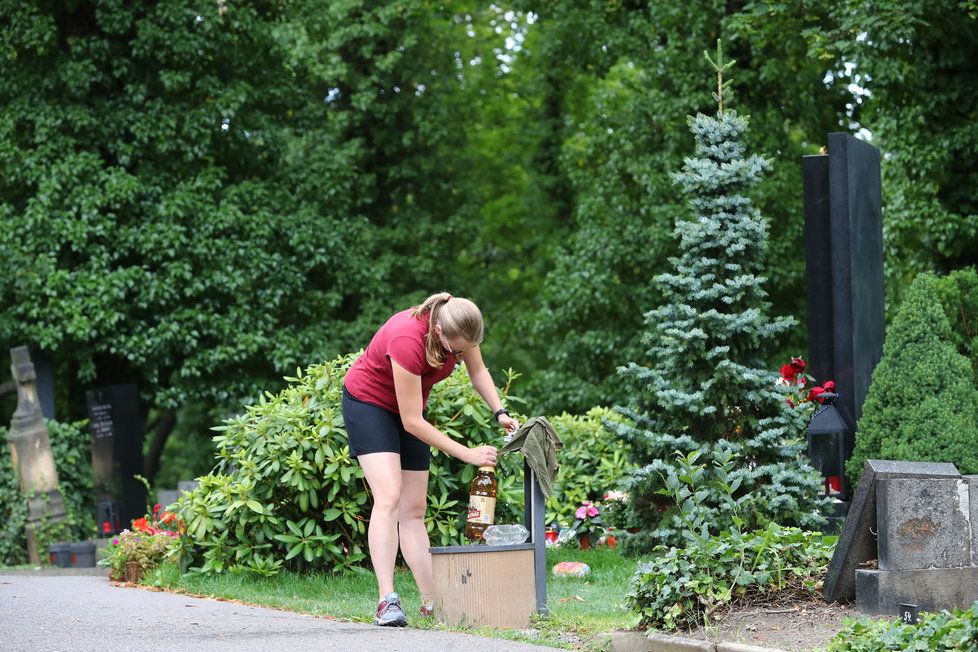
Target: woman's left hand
(509, 424)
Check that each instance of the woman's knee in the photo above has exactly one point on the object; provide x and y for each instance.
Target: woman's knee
(412, 510)
(388, 500)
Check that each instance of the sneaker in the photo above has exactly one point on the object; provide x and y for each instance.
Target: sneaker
(427, 609)
(389, 612)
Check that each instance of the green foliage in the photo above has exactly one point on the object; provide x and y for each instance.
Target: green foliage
(13, 510)
(592, 462)
(959, 296)
(922, 404)
(193, 194)
(70, 446)
(287, 494)
(703, 389)
(938, 632)
(624, 76)
(926, 130)
(683, 587)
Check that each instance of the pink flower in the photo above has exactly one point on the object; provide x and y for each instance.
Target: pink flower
(115, 542)
(592, 510)
(581, 512)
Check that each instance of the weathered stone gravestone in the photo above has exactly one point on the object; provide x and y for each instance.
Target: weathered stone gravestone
(915, 520)
(30, 450)
(116, 427)
(844, 273)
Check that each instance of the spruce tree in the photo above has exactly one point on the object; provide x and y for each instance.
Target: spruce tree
(922, 404)
(704, 385)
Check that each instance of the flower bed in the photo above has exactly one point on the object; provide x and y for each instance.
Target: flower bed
(143, 547)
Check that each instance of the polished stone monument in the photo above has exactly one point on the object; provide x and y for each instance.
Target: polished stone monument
(116, 427)
(844, 272)
(30, 450)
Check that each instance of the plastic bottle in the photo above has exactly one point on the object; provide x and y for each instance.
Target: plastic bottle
(482, 503)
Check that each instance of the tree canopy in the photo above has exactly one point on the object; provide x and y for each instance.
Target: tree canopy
(199, 196)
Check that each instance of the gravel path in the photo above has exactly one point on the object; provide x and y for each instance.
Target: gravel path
(90, 613)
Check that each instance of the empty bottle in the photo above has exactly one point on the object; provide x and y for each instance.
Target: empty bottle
(482, 503)
(505, 535)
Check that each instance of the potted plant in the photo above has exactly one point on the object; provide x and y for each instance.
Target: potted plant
(141, 548)
(588, 525)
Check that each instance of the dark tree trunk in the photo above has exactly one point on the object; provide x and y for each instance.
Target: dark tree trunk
(164, 426)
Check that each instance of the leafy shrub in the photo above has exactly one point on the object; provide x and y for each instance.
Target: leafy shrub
(286, 491)
(940, 632)
(70, 447)
(683, 587)
(592, 462)
(922, 404)
(959, 296)
(769, 478)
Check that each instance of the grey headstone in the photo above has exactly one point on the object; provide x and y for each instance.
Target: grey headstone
(881, 592)
(167, 497)
(923, 523)
(187, 485)
(972, 481)
(857, 544)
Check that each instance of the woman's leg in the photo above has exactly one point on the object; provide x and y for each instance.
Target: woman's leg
(413, 535)
(383, 474)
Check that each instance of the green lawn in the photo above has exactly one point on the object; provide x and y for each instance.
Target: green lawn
(580, 608)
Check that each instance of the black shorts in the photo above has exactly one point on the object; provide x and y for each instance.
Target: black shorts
(372, 429)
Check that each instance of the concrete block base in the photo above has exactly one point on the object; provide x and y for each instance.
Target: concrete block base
(881, 592)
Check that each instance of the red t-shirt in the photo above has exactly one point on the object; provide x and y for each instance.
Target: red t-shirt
(371, 378)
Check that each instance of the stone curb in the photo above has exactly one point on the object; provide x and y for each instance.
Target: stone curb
(655, 642)
(97, 571)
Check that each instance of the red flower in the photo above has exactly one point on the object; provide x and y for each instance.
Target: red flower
(142, 525)
(168, 517)
(788, 372)
(156, 509)
(816, 392)
(791, 370)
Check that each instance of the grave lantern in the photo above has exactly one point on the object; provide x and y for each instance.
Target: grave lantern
(827, 437)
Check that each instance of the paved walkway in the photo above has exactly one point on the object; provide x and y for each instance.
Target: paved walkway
(89, 613)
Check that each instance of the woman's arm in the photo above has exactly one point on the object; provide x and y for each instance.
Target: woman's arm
(482, 381)
(407, 388)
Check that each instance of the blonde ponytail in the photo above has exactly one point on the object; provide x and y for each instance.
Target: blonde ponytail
(459, 319)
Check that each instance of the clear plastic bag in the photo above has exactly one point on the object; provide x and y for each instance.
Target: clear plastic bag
(505, 535)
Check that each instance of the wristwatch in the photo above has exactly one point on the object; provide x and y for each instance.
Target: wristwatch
(495, 415)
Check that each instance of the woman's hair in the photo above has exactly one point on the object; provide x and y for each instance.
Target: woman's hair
(459, 319)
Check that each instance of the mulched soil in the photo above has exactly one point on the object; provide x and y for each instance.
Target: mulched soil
(792, 625)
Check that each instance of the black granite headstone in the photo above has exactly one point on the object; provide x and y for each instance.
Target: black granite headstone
(844, 269)
(117, 431)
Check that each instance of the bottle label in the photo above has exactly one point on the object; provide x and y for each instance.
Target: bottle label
(482, 509)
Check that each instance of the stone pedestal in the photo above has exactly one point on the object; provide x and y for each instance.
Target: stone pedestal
(880, 592)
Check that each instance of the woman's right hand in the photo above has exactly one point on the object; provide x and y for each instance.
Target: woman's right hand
(481, 456)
